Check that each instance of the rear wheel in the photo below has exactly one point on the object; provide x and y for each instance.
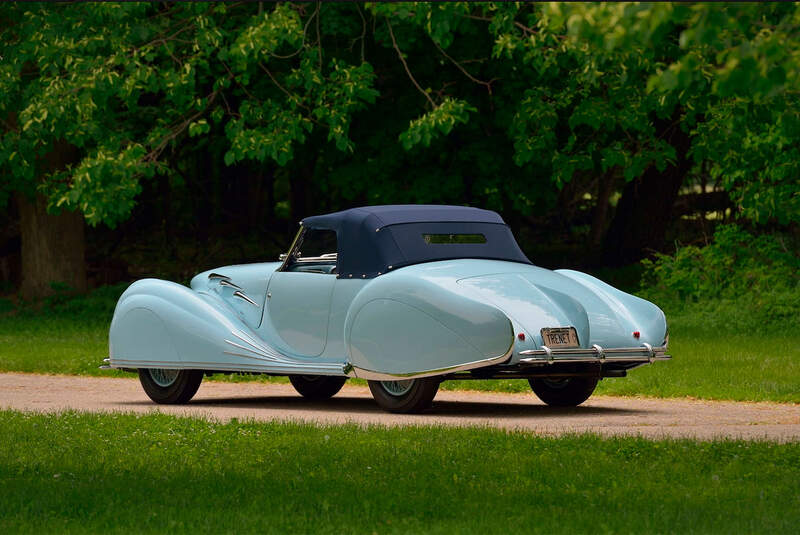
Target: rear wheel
(170, 386)
(408, 396)
(567, 392)
(317, 386)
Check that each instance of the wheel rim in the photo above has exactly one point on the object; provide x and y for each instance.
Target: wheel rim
(163, 377)
(397, 388)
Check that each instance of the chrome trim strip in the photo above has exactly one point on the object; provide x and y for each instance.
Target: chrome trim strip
(227, 282)
(314, 368)
(285, 263)
(327, 257)
(218, 276)
(242, 295)
(361, 373)
(645, 353)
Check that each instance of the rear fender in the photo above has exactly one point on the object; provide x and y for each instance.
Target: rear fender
(407, 325)
(630, 312)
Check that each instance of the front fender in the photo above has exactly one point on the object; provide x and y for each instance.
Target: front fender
(160, 323)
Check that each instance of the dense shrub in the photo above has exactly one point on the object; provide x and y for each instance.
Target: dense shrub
(96, 306)
(736, 280)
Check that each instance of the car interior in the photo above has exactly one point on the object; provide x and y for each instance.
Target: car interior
(312, 253)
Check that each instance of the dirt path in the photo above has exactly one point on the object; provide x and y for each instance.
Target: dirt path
(601, 414)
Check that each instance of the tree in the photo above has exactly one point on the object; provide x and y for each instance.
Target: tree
(546, 112)
(120, 86)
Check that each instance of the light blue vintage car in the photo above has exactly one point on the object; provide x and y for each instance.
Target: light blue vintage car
(402, 296)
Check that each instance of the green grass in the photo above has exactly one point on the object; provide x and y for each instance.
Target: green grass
(83, 473)
(707, 363)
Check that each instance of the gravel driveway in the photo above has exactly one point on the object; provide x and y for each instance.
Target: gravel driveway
(648, 417)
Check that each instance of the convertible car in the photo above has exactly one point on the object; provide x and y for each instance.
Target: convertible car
(403, 296)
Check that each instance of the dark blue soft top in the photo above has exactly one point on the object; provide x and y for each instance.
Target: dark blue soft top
(373, 240)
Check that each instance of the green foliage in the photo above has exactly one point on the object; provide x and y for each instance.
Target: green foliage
(439, 121)
(738, 279)
(65, 305)
(519, 106)
(268, 130)
(734, 75)
(124, 86)
(120, 473)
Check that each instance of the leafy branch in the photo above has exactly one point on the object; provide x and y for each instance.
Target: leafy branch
(405, 65)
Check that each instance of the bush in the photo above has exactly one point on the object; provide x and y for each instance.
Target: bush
(96, 306)
(736, 280)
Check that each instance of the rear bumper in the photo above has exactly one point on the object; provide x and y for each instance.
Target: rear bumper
(643, 354)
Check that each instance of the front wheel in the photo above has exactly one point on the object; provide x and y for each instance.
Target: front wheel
(569, 392)
(170, 386)
(409, 396)
(317, 386)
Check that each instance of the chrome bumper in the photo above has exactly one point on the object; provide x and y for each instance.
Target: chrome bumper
(643, 354)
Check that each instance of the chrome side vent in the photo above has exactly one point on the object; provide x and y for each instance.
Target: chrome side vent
(227, 282)
(242, 295)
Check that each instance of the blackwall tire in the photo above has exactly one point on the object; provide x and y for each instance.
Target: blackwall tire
(569, 392)
(317, 387)
(411, 396)
(170, 387)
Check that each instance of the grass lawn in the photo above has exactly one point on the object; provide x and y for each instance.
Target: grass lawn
(156, 473)
(707, 363)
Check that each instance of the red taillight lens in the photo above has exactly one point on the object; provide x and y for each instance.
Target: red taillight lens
(521, 336)
(636, 334)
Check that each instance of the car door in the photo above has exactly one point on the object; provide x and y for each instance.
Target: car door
(299, 294)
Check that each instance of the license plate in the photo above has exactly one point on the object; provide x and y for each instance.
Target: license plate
(557, 337)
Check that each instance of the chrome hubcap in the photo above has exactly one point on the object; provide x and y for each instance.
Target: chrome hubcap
(397, 388)
(556, 384)
(163, 377)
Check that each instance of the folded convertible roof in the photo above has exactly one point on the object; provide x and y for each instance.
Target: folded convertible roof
(374, 240)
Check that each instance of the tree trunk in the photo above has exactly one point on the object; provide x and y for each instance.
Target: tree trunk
(300, 196)
(52, 248)
(605, 188)
(645, 208)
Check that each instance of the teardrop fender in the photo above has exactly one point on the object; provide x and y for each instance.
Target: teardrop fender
(163, 324)
(404, 326)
